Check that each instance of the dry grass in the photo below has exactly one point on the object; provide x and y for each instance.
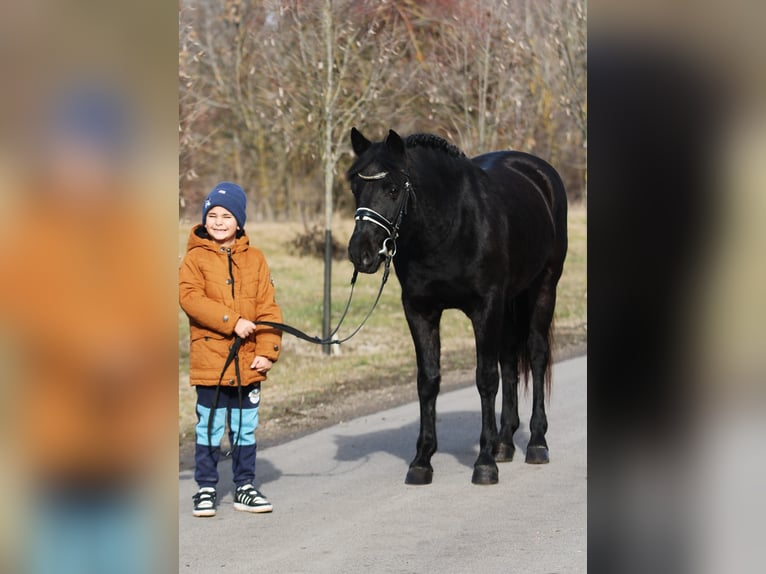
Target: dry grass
(383, 351)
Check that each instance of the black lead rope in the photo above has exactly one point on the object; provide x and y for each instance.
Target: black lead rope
(330, 339)
(388, 250)
(233, 355)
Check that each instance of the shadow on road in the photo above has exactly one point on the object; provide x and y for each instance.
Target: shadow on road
(457, 434)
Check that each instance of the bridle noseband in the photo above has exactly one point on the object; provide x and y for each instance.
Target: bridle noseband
(388, 249)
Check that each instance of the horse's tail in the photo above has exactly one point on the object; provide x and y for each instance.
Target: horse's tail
(521, 312)
(549, 366)
(525, 364)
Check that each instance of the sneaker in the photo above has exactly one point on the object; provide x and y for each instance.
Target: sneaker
(248, 499)
(204, 502)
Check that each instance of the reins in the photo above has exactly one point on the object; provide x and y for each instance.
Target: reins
(387, 250)
(233, 356)
(313, 339)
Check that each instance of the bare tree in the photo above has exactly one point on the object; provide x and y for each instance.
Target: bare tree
(269, 90)
(336, 59)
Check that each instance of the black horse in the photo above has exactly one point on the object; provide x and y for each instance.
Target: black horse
(487, 236)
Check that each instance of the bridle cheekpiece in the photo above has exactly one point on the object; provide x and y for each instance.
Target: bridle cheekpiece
(388, 249)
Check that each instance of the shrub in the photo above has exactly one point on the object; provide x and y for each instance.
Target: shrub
(310, 242)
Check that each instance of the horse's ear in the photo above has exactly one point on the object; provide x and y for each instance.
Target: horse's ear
(360, 143)
(394, 143)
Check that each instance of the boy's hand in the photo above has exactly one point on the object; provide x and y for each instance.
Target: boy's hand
(244, 328)
(261, 364)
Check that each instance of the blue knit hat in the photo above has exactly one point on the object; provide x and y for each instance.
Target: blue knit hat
(229, 196)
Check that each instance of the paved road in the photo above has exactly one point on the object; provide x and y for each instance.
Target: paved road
(341, 505)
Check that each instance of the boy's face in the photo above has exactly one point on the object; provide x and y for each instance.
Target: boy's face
(221, 225)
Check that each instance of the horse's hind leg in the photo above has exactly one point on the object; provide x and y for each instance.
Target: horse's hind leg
(509, 369)
(424, 328)
(515, 328)
(542, 303)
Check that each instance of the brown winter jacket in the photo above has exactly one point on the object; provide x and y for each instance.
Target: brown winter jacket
(205, 292)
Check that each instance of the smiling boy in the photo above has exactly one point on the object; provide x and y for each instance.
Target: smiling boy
(225, 285)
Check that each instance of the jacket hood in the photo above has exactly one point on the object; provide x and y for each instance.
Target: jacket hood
(198, 238)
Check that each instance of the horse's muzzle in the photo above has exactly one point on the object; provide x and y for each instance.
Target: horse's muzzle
(364, 254)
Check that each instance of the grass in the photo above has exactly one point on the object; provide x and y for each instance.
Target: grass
(383, 350)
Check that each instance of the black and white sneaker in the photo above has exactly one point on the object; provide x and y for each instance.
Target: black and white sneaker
(204, 502)
(248, 499)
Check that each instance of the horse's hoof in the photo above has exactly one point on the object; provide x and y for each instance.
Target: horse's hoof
(485, 474)
(419, 475)
(504, 452)
(537, 455)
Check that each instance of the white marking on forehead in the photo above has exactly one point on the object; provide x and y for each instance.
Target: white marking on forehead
(379, 175)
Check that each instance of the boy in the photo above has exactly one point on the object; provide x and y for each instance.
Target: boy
(224, 286)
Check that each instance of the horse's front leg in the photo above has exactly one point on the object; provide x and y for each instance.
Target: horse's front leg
(486, 325)
(424, 326)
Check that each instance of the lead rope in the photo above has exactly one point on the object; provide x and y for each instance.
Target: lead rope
(388, 250)
(239, 399)
(237, 343)
(233, 356)
(236, 370)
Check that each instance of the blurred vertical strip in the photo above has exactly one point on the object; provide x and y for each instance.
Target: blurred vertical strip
(88, 304)
(676, 318)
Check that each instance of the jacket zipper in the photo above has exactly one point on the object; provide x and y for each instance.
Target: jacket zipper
(231, 274)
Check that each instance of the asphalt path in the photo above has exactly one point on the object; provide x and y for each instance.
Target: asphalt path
(341, 505)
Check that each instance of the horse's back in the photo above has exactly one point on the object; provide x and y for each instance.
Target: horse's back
(513, 172)
(543, 175)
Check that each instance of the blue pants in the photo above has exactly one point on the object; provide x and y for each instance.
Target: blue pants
(241, 432)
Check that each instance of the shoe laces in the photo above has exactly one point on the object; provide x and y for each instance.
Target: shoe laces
(205, 494)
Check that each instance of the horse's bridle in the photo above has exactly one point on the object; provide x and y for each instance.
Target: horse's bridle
(388, 249)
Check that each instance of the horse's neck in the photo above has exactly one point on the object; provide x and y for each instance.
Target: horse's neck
(430, 225)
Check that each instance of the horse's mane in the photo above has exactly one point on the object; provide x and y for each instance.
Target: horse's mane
(426, 141)
(433, 142)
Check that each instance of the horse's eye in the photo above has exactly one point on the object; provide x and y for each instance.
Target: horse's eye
(392, 191)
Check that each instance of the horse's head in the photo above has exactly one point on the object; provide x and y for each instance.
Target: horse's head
(381, 187)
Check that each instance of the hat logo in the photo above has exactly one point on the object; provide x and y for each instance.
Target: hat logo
(207, 203)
